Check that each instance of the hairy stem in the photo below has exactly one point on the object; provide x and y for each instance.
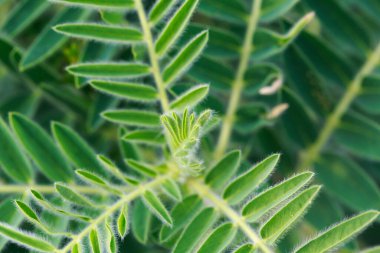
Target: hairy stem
(238, 83)
(47, 189)
(205, 192)
(308, 157)
(154, 59)
(112, 209)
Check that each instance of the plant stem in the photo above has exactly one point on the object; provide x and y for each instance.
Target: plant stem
(154, 59)
(109, 211)
(311, 154)
(205, 192)
(47, 189)
(238, 83)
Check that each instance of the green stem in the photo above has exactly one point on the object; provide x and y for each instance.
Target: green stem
(308, 157)
(47, 189)
(112, 209)
(238, 83)
(205, 192)
(154, 59)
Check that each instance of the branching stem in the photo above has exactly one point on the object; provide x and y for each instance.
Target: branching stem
(205, 192)
(112, 209)
(238, 83)
(308, 157)
(154, 59)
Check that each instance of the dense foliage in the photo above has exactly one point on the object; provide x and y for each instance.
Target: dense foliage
(157, 126)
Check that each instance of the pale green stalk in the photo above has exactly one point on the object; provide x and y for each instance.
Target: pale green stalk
(308, 156)
(154, 59)
(238, 83)
(47, 189)
(205, 192)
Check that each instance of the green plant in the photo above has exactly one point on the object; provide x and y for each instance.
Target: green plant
(217, 201)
